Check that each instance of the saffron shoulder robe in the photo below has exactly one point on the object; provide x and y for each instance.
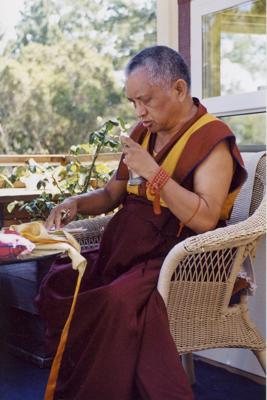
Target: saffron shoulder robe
(119, 345)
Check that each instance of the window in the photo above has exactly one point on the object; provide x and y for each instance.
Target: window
(248, 128)
(228, 63)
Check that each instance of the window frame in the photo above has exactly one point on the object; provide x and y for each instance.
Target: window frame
(244, 103)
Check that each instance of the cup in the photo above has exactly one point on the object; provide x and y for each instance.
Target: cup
(134, 179)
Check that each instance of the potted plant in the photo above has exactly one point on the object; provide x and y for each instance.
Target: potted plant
(71, 177)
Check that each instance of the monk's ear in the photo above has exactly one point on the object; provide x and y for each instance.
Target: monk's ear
(181, 88)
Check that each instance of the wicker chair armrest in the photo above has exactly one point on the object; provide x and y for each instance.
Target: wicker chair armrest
(175, 255)
(231, 236)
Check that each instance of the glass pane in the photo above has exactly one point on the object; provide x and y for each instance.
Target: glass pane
(234, 50)
(248, 129)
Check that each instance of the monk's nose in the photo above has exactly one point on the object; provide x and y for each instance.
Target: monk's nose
(140, 110)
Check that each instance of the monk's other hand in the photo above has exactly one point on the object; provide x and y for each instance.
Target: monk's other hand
(62, 214)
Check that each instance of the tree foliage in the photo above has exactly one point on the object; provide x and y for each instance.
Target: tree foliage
(249, 129)
(51, 96)
(117, 28)
(60, 76)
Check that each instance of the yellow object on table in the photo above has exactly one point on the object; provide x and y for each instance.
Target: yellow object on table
(45, 241)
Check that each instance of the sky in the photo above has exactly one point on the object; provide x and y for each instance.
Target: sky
(9, 16)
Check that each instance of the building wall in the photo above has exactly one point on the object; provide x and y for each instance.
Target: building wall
(167, 23)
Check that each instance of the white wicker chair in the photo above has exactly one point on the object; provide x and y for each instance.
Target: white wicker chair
(198, 275)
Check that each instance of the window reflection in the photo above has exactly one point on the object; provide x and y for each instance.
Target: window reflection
(248, 129)
(234, 50)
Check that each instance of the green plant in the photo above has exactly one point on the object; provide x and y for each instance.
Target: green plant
(5, 181)
(73, 177)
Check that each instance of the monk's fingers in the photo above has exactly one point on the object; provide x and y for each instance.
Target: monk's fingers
(63, 216)
(126, 159)
(49, 223)
(129, 161)
(130, 155)
(128, 143)
(59, 216)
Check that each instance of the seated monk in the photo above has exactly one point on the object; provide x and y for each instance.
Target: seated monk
(119, 345)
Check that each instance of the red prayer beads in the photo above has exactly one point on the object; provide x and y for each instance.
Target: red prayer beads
(155, 186)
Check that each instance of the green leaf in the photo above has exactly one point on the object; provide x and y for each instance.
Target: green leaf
(11, 206)
(6, 180)
(122, 123)
(73, 149)
(110, 125)
(86, 147)
(32, 165)
(112, 142)
(42, 184)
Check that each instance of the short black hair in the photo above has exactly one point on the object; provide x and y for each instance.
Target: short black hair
(164, 65)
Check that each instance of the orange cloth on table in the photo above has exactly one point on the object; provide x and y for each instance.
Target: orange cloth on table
(61, 241)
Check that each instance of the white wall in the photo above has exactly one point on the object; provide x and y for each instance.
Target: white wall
(167, 23)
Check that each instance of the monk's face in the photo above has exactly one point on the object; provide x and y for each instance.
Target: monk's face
(157, 107)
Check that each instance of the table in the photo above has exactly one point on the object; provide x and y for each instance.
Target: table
(21, 326)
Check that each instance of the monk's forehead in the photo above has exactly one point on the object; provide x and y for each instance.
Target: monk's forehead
(138, 83)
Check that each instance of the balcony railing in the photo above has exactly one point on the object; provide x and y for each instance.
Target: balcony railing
(54, 159)
(7, 195)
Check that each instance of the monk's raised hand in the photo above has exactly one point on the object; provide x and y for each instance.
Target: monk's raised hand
(138, 159)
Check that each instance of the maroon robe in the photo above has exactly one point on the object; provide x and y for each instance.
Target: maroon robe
(119, 345)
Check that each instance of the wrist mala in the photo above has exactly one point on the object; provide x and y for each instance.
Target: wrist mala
(183, 224)
(155, 186)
